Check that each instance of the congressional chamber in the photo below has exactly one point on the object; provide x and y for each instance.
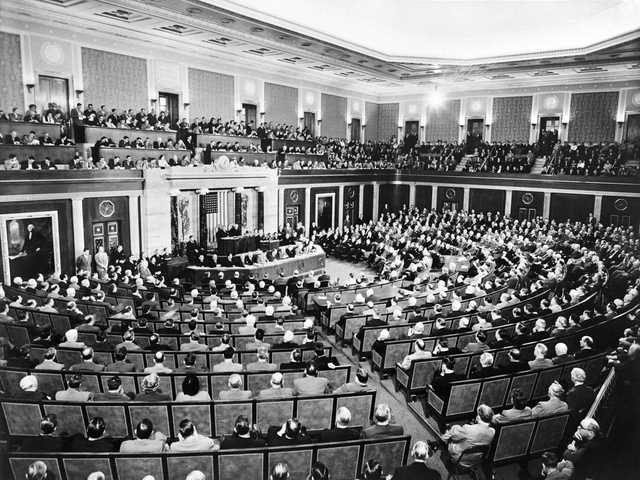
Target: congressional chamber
(319, 240)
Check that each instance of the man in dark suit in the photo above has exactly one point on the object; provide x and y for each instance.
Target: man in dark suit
(581, 396)
(48, 440)
(441, 382)
(418, 470)
(514, 363)
(243, 436)
(342, 432)
(95, 441)
(382, 427)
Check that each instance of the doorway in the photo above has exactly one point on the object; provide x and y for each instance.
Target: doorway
(250, 114)
(632, 134)
(474, 133)
(548, 137)
(168, 103)
(325, 211)
(310, 123)
(291, 216)
(410, 134)
(527, 213)
(355, 129)
(53, 90)
(107, 235)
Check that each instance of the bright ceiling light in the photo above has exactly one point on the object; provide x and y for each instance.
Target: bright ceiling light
(435, 99)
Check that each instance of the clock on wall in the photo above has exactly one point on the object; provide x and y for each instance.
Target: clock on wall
(294, 196)
(527, 198)
(450, 194)
(351, 193)
(106, 208)
(621, 204)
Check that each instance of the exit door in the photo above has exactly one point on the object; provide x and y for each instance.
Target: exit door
(310, 122)
(107, 235)
(168, 103)
(53, 90)
(355, 129)
(474, 133)
(250, 114)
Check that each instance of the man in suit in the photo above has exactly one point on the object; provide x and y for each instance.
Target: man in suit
(540, 360)
(342, 432)
(146, 440)
(311, 384)
(276, 390)
(49, 361)
(553, 405)
(441, 381)
(382, 427)
(514, 364)
(189, 440)
(519, 411)
(96, 440)
(194, 344)
(83, 262)
(580, 397)
(227, 364)
(295, 362)
(73, 393)
(586, 348)
(48, 440)
(114, 393)
(258, 341)
(262, 362)
(235, 392)
(479, 345)
(243, 436)
(462, 437)
(418, 470)
(486, 368)
(360, 385)
(121, 364)
(87, 364)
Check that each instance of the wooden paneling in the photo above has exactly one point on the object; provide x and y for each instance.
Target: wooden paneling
(22, 182)
(486, 200)
(423, 196)
(91, 214)
(615, 209)
(367, 203)
(320, 190)
(570, 206)
(393, 197)
(450, 194)
(527, 200)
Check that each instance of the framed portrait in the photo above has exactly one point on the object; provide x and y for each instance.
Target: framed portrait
(98, 229)
(112, 228)
(30, 244)
(113, 241)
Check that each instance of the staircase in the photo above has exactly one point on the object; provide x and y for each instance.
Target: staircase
(463, 163)
(536, 168)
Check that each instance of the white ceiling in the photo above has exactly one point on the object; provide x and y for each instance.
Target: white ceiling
(448, 29)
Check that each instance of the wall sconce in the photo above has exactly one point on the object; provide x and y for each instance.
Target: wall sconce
(263, 113)
(30, 86)
(186, 105)
(319, 120)
(153, 100)
(364, 125)
(79, 92)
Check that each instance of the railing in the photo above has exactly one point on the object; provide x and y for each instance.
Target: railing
(603, 409)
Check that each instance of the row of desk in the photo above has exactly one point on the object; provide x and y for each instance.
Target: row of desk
(24, 128)
(311, 262)
(244, 243)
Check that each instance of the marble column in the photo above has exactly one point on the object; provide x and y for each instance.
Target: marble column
(360, 200)
(376, 200)
(78, 226)
(134, 224)
(412, 195)
(279, 211)
(341, 206)
(465, 199)
(272, 209)
(507, 202)
(546, 205)
(307, 209)
(597, 207)
(434, 197)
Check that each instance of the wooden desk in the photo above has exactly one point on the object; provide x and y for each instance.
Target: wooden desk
(138, 153)
(208, 156)
(204, 139)
(93, 134)
(23, 128)
(238, 244)
(303, 264)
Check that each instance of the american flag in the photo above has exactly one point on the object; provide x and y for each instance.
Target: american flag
(215, 210)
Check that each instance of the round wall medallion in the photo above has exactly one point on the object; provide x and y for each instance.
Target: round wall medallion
(551, 102)
(294, 196)
(52, 53)
(351, 193)
(309, 98)
(527, 198)
(450, 194)
(106, 208)
(636, 99)
(476, 106)
(621, 204)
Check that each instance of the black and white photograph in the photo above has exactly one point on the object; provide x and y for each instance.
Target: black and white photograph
(319, 240)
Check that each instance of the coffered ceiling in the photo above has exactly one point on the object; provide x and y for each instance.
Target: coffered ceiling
(380, 47)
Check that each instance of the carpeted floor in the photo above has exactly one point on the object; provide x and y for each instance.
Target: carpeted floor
(340, 269)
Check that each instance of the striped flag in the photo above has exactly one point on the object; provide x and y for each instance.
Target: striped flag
(215, 210)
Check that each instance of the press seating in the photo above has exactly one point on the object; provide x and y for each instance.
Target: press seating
(171, 383)
(418, 376)
(346, 460)
(214, 418)
(396, 350)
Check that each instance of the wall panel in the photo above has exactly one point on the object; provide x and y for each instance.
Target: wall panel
(367, 202)
(451, 195)
(114, 80)
(294, 198)
(523, 201)
(281, 104)
(442, 123)
(91, 214)
(371, 122)
(388, 120)
(11, 83)
(423, 196)
(481, 200)
(570, 206)
(210, 94)
(334, 116)
(511, 119)
(593, 117)
(393, 197)
(318, 191)
(620, 211)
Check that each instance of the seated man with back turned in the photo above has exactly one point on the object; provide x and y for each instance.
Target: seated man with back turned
(277, 390)
(382, 427)
(417, 470)
(311, 384)
(462, 437)
(243, 436)
(341, 432)
(146, 440)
